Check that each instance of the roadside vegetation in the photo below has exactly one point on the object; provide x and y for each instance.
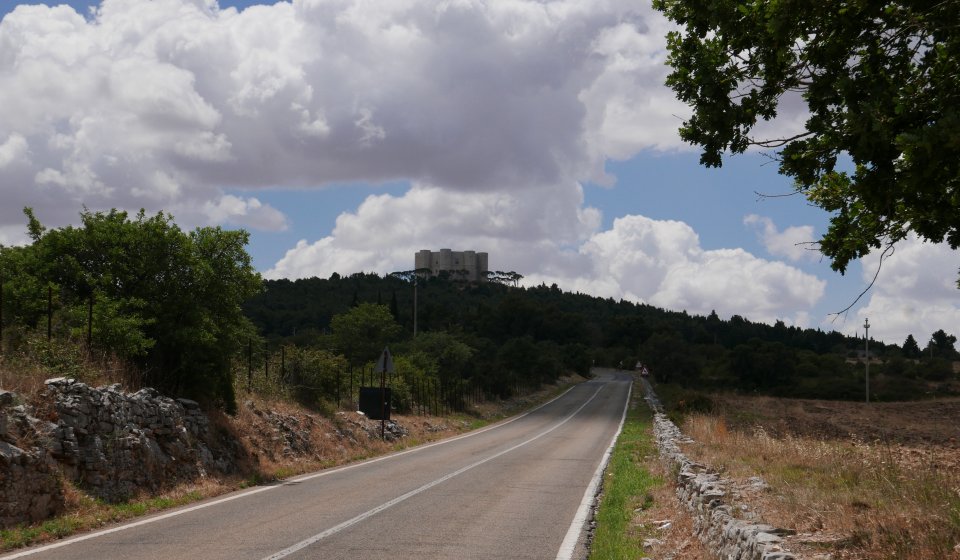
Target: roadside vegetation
(627, 488)
(639, 515)
(271, 459)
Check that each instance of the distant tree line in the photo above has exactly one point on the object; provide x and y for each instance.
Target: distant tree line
(531, 335)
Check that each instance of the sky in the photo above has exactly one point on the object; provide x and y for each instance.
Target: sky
(345, 135)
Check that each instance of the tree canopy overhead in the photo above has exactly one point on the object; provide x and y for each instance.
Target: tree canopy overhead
(881, 82)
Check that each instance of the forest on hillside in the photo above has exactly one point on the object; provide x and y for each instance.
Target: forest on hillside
(515, 335)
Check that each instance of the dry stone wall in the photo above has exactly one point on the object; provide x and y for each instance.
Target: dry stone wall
(718, 521)
(110, 443)
(30, 487)
(114, 444)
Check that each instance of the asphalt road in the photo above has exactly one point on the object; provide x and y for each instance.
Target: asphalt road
(511, 490)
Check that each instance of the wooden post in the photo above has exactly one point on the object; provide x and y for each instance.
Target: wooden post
(383, 395)
(49, 312)
(90, 323)
(249, 364)
(1, 310)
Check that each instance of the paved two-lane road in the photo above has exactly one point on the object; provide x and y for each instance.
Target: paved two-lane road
(508, 491)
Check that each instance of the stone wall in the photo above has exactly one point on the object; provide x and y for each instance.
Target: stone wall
(30, 487)
(110, 443)
(725, 528)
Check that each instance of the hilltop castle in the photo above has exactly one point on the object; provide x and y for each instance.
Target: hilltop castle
(470, 264)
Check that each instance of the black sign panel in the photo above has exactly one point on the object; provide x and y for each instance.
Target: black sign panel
(370, 403)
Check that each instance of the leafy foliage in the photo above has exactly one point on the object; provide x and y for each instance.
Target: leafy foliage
(163, 299)
(363, 332)
(881, 81)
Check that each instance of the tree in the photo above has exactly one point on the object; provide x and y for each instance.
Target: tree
(881, 82)
(450, 354)
(941, 345)
(165, 300)
(910, 347)
(362, 332)
(394, 307)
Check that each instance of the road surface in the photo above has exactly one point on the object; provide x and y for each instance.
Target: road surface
(511, 490)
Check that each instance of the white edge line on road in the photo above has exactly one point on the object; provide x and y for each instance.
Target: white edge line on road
(371, 512)
(259, 489)
(569, 545)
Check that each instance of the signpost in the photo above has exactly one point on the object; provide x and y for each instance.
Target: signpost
(866, 349)
(384, 366)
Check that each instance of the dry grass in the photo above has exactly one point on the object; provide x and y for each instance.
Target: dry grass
(24, 371)
(668, 523)
(848, 497)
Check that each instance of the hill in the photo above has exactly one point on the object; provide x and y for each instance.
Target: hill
(534, 333)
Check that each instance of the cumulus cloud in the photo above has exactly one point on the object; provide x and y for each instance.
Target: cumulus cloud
(662, 263)
(386, 230)
(167, 103)
(494, 112)
(796, 243)
(556, 240)
(915, 292)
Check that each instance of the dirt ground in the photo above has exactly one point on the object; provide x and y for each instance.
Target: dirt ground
(922, 432)
(923, 422)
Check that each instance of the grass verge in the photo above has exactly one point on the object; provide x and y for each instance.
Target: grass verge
(85, 513)
(627, 487)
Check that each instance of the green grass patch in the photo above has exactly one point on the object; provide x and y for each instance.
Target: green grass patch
(97, 512)
(626, 487)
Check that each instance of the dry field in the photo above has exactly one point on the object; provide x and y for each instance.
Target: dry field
(855, 481)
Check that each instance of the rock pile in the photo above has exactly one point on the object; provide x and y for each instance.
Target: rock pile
(719, 523)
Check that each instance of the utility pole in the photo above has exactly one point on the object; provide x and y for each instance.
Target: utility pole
(866, 339)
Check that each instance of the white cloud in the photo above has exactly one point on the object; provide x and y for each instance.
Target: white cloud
(166, 103)
(662, 263)
(915, 293)
(796, 243)
(246, 212)
(12, 150)
(386, 230)
(495, 112)
(657, 262)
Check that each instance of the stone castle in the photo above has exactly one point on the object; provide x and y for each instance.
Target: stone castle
(470, 265)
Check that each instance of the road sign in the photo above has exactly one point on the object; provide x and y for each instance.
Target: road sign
(375, 402)
(385, 363)
(384, 366)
